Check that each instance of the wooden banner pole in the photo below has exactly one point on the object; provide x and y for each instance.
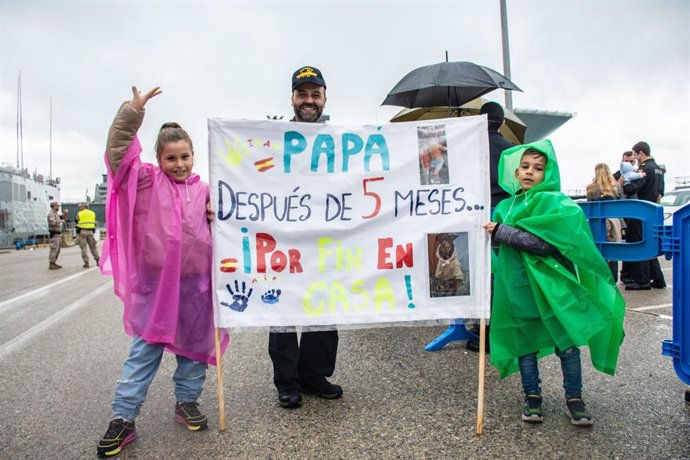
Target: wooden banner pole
(480, 389)
(219, 370)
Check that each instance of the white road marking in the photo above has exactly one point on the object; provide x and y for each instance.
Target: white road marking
(666, 317)
(40, 291)
(8, 347)
(652, 307)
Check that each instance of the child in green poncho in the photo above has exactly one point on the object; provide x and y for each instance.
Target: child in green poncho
(552, 289)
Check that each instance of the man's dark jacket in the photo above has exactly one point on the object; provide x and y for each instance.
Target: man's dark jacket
(651, 185)
(497, 144)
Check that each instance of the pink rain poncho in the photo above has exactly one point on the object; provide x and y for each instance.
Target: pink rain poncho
(158, 250)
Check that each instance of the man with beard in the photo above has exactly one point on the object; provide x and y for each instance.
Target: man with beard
(304, 366)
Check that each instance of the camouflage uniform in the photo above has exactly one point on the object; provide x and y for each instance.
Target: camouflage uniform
(55, 228)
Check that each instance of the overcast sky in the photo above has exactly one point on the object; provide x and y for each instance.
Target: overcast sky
(622, 66)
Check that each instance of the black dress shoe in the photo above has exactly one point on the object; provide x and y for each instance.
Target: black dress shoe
(473, 345)
(627, 281)
(323, 389)
(658, 284)
(290, 399)
(638, 287)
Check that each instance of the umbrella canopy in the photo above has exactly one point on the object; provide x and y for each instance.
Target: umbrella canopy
(513, 129)
(446, 83)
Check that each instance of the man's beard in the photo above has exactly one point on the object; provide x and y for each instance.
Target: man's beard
(311, 118)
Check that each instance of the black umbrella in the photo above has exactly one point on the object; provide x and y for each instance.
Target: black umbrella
(449, 84)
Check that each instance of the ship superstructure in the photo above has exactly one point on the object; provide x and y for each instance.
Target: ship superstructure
(24, 203)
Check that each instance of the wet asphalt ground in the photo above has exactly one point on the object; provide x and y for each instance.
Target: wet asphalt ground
(62, 346)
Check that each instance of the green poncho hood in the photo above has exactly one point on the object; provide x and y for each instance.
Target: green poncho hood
(538, 303)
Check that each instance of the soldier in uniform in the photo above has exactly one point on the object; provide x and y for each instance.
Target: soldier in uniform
(55, 230)
(86, 225)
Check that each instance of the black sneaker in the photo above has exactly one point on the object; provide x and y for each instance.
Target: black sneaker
(119, 434)
(578, 412)
(187, 414)
(323, 389)
(531, 412)
(289, 399)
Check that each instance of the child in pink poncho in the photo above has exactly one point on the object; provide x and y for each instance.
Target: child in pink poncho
(158, 251)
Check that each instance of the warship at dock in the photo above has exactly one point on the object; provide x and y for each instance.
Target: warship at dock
(24, 203)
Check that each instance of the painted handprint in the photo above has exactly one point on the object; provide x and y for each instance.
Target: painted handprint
(240, 300)
(271, 296)
(236, 152)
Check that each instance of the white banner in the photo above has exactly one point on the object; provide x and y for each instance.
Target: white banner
(334, 225)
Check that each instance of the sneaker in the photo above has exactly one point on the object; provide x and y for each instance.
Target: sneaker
(531, 412)
(289, 399)
(323, 389)
(187, 414)
(578, 412)
(120, 433)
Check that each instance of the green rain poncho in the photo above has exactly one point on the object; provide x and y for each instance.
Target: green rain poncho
(539, 304)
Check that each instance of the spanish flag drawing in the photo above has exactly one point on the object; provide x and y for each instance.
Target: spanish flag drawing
(265, 164)
(228, 265)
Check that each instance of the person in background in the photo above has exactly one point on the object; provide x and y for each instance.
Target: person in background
(86, 223)
(497, 144)
(631, 158)
(304, 366)
(628, 172)
(646, 274)
(552, 289)
(627, 157)
(604, 187)
(55, 232)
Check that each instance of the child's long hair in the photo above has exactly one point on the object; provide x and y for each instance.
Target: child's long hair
(171, 132)
(603, 183)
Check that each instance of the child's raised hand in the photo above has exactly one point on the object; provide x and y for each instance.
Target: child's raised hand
(139, 100)
(489, 226)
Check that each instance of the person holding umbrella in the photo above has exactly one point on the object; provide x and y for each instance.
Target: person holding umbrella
(497, 144)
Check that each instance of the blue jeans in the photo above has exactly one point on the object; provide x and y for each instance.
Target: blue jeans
(570, 365)
(138, 372)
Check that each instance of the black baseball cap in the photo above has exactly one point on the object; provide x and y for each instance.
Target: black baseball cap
(307, 75)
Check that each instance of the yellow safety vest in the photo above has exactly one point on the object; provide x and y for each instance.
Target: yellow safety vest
(86, 219)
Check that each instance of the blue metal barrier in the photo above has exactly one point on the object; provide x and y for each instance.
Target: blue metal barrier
(671, 241)
(679, 246)
(651, 215)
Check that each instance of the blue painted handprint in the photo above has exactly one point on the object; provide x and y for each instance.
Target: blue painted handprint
(271, 296)
(240, 300)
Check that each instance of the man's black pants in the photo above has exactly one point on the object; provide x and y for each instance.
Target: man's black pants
(647, 270)
(296, 364)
